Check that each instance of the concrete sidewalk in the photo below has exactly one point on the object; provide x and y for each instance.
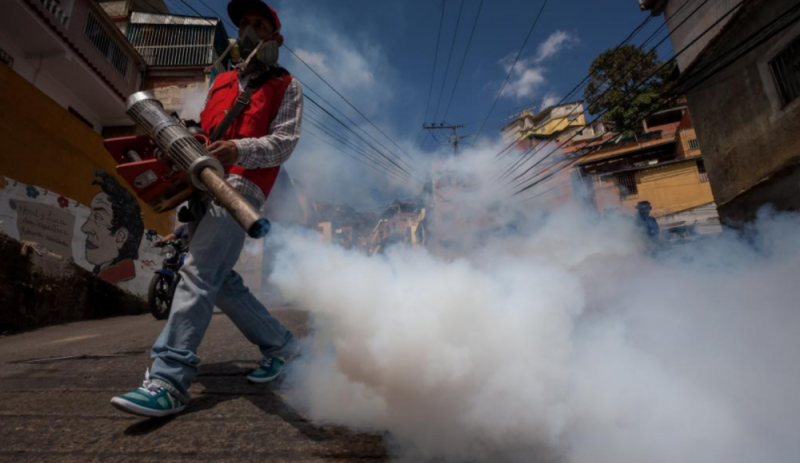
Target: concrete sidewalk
(56, 383)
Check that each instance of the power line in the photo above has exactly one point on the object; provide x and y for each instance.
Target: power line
(346, 143)
(341, 137)
(435, 60)
(354, 133)
(176, 4)
(449, 57)
(169, 20)
(625, 97)
(347, 153)
(221, 17)
(743, 46)
(424, 138)
(531, 152)
(583, 82)
(463, 60)
(335, 132)
(511, 70)
(356, 158)
(399, 159)
(522, 159)
(346, 100)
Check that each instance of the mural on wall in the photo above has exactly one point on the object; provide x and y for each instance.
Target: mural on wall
(58, 188)
(106, 237)
(114, 230)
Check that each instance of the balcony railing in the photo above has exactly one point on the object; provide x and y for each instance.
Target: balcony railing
(102, 39)
(54, 7)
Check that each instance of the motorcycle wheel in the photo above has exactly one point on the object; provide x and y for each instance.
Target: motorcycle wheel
(159, 297)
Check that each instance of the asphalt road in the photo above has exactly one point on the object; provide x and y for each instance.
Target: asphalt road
(56, 383)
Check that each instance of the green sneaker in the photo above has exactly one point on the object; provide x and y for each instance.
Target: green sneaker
(150, 400)
(269, 369)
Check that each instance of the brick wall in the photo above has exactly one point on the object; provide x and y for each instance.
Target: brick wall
(184, 94)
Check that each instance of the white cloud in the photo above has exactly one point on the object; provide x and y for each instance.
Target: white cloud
(315, 60)
(349, 69)
(525, 80)
(558, 40)
(356, 65)
(549, 100)
(529, 74)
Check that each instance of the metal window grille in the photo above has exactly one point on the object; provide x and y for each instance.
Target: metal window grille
(701, 168)
(6, 59)
(694, 144)
(105, 44)
(627, 184)
(786, 69)
(174, 45)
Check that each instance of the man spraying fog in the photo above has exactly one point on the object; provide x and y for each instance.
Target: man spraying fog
(255, 113)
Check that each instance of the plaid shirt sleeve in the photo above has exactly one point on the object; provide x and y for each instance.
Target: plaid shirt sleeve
(274, 149)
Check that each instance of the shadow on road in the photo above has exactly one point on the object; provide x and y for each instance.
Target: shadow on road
(263, 396)
(144, 427)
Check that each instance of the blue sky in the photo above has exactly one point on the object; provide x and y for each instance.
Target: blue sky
(380, 53)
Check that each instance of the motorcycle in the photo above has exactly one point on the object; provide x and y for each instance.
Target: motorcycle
(165, 280)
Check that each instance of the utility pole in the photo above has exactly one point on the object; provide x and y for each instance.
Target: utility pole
(455, 138)
(435, 206)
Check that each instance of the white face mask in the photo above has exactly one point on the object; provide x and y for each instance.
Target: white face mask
(264, 51)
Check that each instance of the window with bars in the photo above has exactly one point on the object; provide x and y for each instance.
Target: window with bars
(701, 168)
(105, 44)
(627, 184)
(694, 144)
(170, 45)
(5, 58)
(786, 69)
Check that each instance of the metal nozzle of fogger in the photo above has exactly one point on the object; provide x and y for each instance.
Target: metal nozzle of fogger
(191, 157)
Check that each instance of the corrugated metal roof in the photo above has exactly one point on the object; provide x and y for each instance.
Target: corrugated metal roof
(166, 19)
(607, 154)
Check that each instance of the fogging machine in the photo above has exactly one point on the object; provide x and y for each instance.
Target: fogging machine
(165, 166)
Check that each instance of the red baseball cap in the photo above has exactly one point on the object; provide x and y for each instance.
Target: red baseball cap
(238, 8)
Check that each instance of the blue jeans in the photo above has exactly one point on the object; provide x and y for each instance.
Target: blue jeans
(207, 277)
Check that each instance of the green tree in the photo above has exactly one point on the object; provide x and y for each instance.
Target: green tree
(625, 68)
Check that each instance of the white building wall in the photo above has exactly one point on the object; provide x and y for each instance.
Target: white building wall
(42, 71)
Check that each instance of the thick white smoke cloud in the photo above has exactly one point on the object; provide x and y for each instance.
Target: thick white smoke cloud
(566, 342)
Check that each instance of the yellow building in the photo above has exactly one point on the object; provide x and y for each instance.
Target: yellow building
(552, 123)
(663, 165)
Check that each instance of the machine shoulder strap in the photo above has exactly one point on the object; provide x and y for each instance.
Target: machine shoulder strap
(243, 100)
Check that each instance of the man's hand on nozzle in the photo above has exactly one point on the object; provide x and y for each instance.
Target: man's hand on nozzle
(225, 151)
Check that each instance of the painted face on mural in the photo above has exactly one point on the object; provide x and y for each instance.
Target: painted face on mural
(102, 244)
(114, 230)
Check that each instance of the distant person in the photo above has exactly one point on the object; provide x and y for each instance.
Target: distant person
(253, 145)
(648, 224)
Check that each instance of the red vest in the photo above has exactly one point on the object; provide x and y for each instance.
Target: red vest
(253, 122)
